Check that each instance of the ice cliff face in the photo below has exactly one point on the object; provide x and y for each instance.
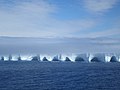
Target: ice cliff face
(88, 57)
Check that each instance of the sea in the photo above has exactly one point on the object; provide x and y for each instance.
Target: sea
(59, 76)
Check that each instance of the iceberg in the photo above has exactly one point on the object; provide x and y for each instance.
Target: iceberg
(89, 57)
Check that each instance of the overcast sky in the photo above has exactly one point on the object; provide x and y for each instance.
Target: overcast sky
(74, 26)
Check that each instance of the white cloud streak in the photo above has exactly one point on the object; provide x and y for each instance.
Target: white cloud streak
(113, 32)
(99, 6)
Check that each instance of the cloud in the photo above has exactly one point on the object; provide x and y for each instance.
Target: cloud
(28, 18)
(113, 32)
(57, 45)
(34, 18)
(23, 17)
(27, 9)
(99, 6)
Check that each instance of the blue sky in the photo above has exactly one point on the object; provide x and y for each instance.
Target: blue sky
(91, 19)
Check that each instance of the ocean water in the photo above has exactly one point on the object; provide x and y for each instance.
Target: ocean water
(59, 76)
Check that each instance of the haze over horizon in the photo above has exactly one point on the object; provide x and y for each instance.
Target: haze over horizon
(59, 26)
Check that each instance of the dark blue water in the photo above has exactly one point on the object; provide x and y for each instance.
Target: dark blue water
(59, 76)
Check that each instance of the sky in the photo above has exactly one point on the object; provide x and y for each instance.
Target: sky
(79, 25)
